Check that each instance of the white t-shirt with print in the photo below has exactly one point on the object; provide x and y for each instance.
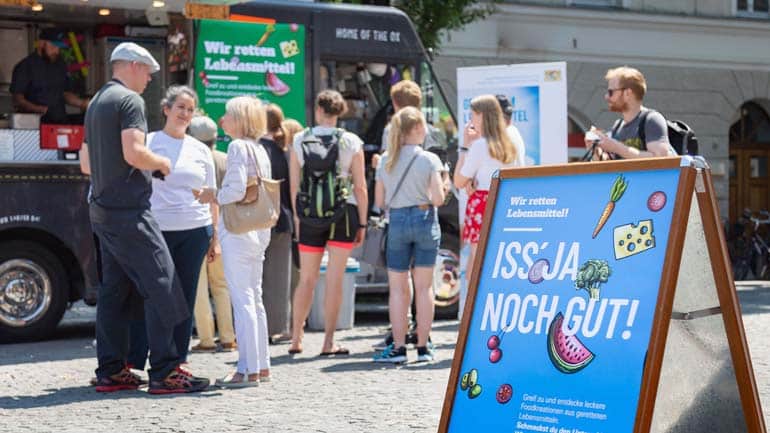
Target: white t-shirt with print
(349, 145)
(192, 167)
(480, 165)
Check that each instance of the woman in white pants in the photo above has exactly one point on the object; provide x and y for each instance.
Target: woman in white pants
(243, 254)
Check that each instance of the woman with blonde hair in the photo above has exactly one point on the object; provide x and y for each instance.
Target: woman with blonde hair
(487, 148)
(409, 188)
(243, 254)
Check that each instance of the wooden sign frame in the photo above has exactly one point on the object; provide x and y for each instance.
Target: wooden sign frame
(695, 180)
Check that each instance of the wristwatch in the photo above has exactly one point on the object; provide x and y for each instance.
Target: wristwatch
(463, 149)
(362, 226)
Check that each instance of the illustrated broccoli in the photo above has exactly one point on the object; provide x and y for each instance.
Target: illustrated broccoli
(591, 275)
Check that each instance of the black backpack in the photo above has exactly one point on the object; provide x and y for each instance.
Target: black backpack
(681, 137)
(322, 193)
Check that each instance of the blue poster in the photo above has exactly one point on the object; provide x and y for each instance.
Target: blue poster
(526, 118)
(565, 302)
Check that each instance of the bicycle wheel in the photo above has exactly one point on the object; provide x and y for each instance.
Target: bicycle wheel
(741, 269)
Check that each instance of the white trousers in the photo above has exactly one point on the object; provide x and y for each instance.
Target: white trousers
(243, 256)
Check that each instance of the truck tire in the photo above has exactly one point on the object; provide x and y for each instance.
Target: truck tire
(33, 291)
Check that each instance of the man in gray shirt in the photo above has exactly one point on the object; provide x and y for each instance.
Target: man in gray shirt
(625, 91)
(135, 258)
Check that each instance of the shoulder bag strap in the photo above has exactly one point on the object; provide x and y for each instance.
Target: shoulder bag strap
(253, 154)
(401, 181)
(641, 132)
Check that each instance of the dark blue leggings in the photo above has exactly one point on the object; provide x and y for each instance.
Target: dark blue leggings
(188, 249)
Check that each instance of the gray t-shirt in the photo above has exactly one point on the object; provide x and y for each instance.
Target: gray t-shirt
(414, 189)
(655, 129)
(114, 183)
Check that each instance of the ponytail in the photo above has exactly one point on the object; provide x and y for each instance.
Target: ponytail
(395, 141)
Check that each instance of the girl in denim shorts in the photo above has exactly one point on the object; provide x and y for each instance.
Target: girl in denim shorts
(410, 187)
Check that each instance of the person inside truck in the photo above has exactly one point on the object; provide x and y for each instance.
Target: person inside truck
(40, 84)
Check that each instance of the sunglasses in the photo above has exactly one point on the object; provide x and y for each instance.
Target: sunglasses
(611, 91)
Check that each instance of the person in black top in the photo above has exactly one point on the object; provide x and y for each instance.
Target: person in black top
(276, 274)
(40, 84)
(135, 256)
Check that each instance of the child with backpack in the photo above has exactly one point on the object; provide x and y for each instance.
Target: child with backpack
(328, 189)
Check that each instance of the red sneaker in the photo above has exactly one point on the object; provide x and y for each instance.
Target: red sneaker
(121, 381)
(177, 382)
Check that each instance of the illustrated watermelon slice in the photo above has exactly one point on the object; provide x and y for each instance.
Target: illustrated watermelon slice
(277, 87)
(567, 353)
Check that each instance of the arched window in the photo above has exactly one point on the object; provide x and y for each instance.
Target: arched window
(753, 127)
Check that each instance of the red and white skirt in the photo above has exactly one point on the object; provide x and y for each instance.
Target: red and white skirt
(474, 214)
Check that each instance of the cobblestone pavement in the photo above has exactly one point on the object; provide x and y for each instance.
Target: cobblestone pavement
(44, 386)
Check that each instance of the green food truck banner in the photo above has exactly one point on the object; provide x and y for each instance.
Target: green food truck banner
(263, 60)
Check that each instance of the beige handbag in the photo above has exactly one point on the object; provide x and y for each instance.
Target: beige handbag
(260, 206)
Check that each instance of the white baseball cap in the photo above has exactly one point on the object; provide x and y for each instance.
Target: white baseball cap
(132, 52)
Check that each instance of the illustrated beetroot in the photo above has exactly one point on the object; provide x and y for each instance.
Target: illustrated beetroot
(567, 353)
(656, 201)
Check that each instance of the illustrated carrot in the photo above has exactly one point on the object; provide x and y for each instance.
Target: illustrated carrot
(268, 30)
(618, 188)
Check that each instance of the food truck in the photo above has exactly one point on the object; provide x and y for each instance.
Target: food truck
(48, 254)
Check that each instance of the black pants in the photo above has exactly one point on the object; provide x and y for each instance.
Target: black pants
(134, 255)
(188, 249)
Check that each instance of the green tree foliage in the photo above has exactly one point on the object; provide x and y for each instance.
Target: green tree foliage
(434, 17)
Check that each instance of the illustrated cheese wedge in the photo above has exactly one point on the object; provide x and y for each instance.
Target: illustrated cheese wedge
(289, 48)
(631, 239)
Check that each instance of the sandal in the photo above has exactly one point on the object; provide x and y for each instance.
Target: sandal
(339, 350)
(229, 381)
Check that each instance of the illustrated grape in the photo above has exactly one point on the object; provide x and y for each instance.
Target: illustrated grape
(493, 342)
(495, 356)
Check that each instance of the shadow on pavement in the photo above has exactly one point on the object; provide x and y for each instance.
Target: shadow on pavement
(47, 351)
(77, 394)
(368, 365)
(754, 299)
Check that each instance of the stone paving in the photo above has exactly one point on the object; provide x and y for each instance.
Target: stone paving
(44, 385)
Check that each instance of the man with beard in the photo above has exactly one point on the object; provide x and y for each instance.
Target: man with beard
(625, 91)
(40, 84)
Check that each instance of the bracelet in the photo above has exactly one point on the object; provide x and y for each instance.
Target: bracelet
(463, 149)
(362, 226)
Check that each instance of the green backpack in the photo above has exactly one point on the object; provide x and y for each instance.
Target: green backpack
(323, 192)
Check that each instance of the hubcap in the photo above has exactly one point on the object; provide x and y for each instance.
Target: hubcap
(25, 292)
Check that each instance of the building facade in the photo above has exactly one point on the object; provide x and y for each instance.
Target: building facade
(707, 63)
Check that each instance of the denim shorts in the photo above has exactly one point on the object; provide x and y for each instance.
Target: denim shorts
(413, 238)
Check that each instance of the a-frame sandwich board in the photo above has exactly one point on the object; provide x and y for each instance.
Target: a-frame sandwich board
(602, 300)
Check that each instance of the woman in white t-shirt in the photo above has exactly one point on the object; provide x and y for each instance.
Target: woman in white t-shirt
(340, 232)
(186, 224)
(489, 149)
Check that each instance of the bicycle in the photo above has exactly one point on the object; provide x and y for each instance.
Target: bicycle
(749, 253)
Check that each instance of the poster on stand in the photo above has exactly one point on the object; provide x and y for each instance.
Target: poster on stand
(538, 94)
(263, 60)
